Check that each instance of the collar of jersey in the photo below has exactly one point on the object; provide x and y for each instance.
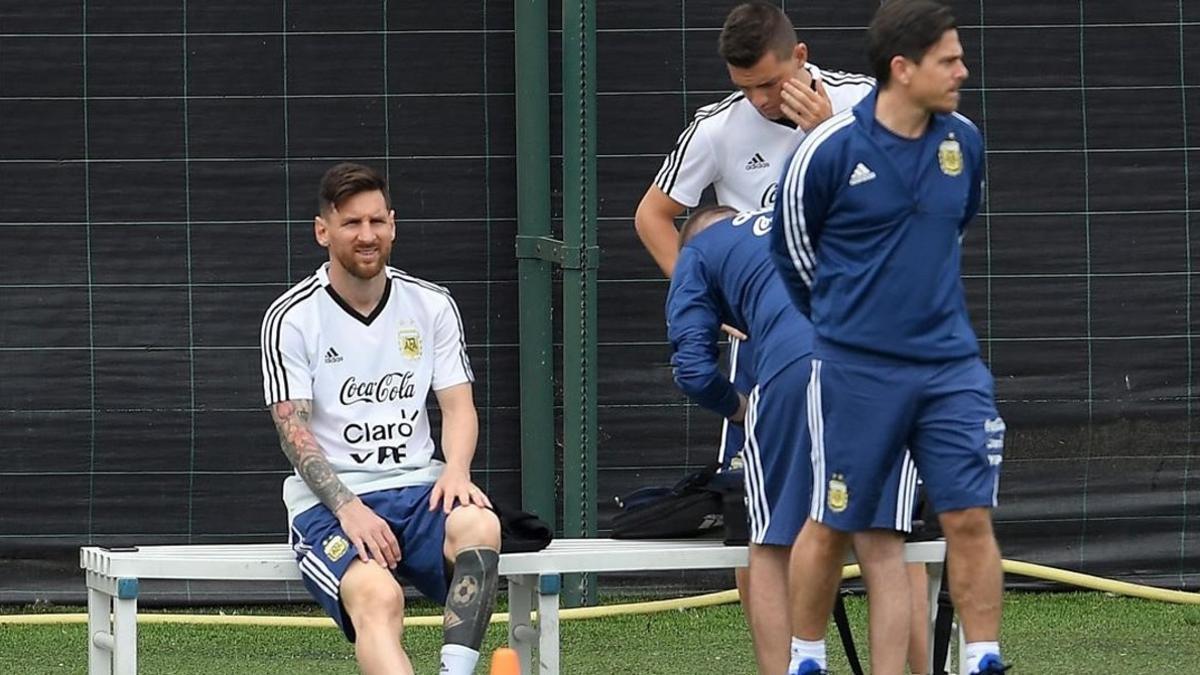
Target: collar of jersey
(364, 320)
(864, 114)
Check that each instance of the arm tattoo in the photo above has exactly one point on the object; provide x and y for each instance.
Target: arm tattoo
(302, 450)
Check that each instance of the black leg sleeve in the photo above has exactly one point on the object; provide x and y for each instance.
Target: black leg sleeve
(472, 597)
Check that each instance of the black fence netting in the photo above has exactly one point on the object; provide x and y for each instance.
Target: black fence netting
(158, 165)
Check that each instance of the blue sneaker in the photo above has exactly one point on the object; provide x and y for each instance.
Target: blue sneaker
(991, 664)
(810, 667)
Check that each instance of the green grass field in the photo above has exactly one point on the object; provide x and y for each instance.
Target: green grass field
(1044, 634)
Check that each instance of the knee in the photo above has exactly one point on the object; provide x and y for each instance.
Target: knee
(375, 605)
(879, 546)
(880, 554)
(823, 536)
(972, 524)
(469, 526)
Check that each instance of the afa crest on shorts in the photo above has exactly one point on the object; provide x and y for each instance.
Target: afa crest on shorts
(950, 156)
(409, 340)
(838, 496)
(335, 547)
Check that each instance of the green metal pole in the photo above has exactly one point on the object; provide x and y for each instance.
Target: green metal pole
(533, 219)
(579, 282)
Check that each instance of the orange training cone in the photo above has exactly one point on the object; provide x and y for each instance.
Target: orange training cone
(505, 662)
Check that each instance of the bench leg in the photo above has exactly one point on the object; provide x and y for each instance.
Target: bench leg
(934, 571)
(99, 624)
(521, 633)
(548, 642)
(125, 636)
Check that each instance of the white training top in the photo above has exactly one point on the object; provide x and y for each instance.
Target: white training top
(368, 377)
(732, 147)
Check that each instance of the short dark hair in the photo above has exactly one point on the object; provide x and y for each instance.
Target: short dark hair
(701, 218)
(343, 181)
(751, 30)
(905, 28)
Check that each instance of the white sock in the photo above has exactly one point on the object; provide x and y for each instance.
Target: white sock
(977, 650)
(458, 660)
(806, 649)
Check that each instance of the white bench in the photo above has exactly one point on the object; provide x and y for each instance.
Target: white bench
(533, 582)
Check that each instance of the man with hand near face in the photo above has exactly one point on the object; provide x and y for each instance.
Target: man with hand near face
(739, 146)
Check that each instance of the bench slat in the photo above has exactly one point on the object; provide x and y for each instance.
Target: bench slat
(258, 562)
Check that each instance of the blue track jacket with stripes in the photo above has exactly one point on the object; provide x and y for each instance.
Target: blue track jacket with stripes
(871, 253)
(725, 275)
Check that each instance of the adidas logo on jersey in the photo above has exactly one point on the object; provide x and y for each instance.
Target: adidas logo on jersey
(861, 174)
(332, 356)
(757, 162)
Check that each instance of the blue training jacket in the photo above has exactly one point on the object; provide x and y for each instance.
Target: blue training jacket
(725, 275)
(871, 254)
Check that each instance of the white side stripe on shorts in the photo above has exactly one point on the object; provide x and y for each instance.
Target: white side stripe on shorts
(312, 567)
(296, 539)
(816, 427)
(733, 366)
(906, 493)
(756, 487)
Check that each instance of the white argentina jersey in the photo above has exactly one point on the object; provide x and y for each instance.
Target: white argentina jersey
(732, 147)
(368, 377)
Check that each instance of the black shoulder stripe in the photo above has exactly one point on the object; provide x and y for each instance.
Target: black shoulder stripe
(839, 77)
(665, 180)
(279, 377)
(401, 275)
(850, 83)
(669, 174)
(272, 350)
(462, 341)
(666, 177)
(271, 368)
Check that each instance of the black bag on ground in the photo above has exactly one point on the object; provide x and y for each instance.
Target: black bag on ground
(706, 503)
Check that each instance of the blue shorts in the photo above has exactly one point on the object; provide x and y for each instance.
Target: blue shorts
(866, 411)
(779, 468)
(741, 374)
(324, 553)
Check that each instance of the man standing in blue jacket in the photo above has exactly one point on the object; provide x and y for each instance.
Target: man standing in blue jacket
(867, 236)
(724, 275)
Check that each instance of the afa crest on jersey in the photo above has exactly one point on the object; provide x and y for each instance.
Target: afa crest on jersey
(950, 156)
(410, 343)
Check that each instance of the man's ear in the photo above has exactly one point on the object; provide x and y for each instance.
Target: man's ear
(321, 231)
(800, 53)
(901, 70)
